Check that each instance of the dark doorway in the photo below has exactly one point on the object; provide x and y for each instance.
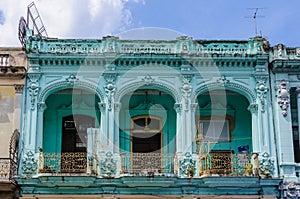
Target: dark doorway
(74, 132)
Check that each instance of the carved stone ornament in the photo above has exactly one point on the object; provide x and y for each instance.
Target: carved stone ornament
(186, 90)
(222, 80)
(262, 89)
(71, 79)
(108, 165)
(148, 80)
(187, 166)
(253, 108)
(29, 164)
(33, 88)
(178, 107)
(266, 165)
(290, 190)
(110, 89)
(283, 97)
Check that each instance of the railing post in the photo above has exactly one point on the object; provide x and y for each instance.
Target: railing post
(41, 161)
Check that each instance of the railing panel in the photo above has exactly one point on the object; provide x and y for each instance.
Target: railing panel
(145, 163)
(67, 162)
(4, 169)
(8, 169)
(224, 163)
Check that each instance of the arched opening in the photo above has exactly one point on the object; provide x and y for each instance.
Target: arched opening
(146, 134)
(224, 132)
(147, 131)
(69, 113)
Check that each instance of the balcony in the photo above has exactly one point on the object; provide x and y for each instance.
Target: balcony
(8, 169)
(215, 163)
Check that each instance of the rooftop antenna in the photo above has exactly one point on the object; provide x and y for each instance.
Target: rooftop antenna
(33, 16)
(254, 17)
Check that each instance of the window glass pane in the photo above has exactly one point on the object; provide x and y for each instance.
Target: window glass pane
(153, 124)
(139, 124)
(215, 130)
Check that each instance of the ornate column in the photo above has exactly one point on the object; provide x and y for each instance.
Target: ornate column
(179, 128)
(185, 161)
(284, 131)
(109, 162)
(186, 113)
(29, 153)
(253, 108)
(40, 131)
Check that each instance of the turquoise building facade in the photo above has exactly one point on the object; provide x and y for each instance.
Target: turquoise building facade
(182, 118)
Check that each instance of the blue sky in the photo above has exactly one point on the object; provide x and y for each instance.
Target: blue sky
(200, 19)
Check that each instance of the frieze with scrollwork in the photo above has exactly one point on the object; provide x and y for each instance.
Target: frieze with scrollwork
(115, 45)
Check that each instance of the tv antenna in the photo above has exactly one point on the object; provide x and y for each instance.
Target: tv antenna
(33, 16)
(254, 17)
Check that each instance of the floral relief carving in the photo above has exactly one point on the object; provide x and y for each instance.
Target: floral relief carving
(187, 166)
(262, 89)
(33, 88)
(266, 165)
(186, 90)
(283, 96)
(108, 165)
(29, 164)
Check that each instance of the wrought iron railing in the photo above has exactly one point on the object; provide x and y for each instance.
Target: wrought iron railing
(66, 162)
(8, 169)
(147, 163)
(225, 163)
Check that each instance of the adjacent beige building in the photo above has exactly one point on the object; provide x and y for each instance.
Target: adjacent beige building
(13, 66)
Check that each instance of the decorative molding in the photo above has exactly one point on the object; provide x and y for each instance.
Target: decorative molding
(33, 87)
(29, 164)
(262, 89)
(186, 90)
(229, 86)
(178, 107)
(283, 96)
(42, 106)
(187, 166)
(148, 80)
(110, 90)
(19, 88)
(222, 80)
(64, 85)
(266, 165)
(71, 79)
(102, 106)
(108, 166)
(253, 108)
(290, 190)
(132, 86)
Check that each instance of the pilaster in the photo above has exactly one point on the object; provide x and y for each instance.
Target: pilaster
(284, 132)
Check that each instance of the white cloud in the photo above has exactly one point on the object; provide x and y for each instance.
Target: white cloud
(68, 18)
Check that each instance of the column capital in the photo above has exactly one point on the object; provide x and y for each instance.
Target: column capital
(178, 107)
(42, 106)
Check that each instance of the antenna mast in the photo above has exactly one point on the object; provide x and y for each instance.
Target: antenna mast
(254, 17)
